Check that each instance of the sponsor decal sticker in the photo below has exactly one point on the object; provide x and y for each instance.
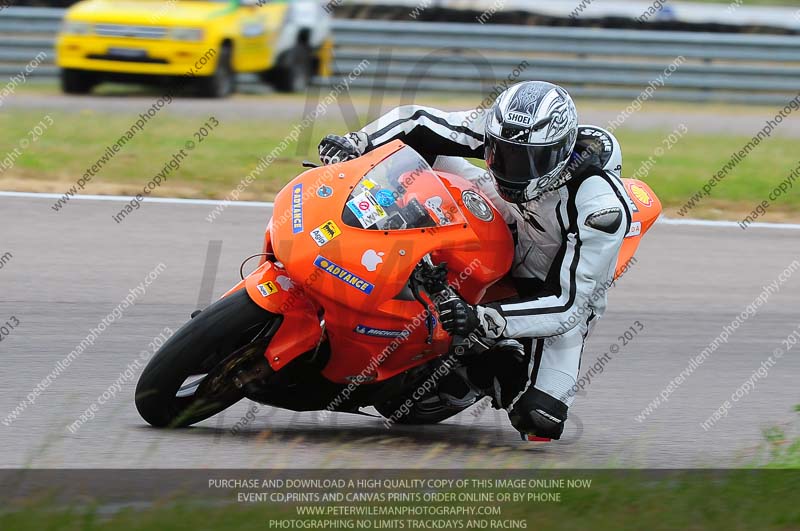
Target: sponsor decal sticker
(326, 232)
(360, 378)
(379, 332)
(371, 259)
(641, 195)
(434, 204)
(385, 197)
(344, 275)
(267, 288)
(476, 204)
(285, 282)
(297, 208)
(636, 229)
(324, 191)
(366, 209)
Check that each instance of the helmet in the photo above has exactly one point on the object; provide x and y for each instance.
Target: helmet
(530, 134)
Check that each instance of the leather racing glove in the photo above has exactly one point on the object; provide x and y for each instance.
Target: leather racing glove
(334, 148)
(460, 318)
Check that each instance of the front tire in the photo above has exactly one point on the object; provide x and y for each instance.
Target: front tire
(294, 74)
(77, 81)
(222, 83)
(163, 398)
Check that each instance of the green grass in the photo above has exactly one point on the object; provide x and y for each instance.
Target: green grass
(77, 139)
(739, 500)
(763, 497)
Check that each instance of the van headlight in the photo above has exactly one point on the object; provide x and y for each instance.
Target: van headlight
(76, 28)
(187, 34)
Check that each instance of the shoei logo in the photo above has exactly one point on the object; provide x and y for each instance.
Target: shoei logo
(297, 208)
(519, 118)
(344, 275)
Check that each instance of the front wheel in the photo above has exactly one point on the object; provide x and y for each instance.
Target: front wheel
(222, 83)
(174, 390)
(294, 74)
(77, 81)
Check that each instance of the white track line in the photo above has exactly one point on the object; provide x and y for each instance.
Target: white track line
(127, 199)
(263, 204)
(727, 224)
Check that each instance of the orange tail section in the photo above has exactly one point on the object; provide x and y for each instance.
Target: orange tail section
(646, 209)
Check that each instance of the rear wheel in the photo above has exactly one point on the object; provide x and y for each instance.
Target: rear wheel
(77, 81)
(181, 384)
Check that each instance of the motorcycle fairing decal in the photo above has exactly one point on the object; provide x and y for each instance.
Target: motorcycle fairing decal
(381, 333)
(267, 288)
(636, 229)
(366, 209)
(326, 232)
(641, 195)
(344, 275)
(297, 208)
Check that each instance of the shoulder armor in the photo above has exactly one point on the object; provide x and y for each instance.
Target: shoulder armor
(605, 144)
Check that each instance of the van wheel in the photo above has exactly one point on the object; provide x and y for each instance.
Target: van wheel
(294, 72)
(222, 83)
(77, 81)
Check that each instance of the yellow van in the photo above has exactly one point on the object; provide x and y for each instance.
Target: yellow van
(205, 42)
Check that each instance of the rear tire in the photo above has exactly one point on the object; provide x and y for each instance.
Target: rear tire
(197, 348)
(77, 81)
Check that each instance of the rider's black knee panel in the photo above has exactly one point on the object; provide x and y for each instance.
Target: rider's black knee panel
(538, 413)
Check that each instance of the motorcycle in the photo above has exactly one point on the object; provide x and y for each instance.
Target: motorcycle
(340, 313)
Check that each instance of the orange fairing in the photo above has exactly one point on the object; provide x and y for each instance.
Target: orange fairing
(351, 234)
(345, 239)
(646, 209)
(271, 288)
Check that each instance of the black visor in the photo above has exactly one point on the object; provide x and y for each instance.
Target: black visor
(517, 165)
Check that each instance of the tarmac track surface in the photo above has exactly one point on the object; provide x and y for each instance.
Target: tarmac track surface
(69, 269)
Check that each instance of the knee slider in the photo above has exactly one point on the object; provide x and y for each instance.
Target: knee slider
(538, 413)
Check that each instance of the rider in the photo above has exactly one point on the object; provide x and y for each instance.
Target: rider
(558, 186)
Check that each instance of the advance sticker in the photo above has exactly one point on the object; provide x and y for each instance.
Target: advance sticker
(366, 209)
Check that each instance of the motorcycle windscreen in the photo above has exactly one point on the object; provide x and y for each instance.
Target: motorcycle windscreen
(402, 192)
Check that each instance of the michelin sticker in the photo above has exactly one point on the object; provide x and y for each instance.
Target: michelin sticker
(378, 332)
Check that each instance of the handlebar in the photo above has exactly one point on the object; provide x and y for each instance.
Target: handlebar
(434, 279)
